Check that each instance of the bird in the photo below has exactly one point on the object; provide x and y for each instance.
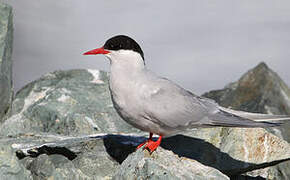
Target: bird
(159, 106)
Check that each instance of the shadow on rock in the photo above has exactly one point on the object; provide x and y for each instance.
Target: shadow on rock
(119, 147)
(49, 151)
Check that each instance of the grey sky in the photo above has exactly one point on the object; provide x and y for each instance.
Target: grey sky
(201, 45)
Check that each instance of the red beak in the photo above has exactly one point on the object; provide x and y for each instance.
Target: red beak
(97, 51)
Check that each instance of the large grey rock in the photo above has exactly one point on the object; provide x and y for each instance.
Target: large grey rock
(63, 157)
(96, 157)
(53, 167)
(259, 90)
(6, 38)
(231, 151)
(163, 164)
(235, 151)
(74, 102)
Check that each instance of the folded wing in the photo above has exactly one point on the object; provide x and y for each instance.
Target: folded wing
(182, 109)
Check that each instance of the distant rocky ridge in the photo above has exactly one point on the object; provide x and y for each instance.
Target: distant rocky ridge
(63, 126)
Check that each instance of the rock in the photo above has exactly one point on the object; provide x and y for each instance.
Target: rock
(163, 164)
(53, 167)
(259, 90)
(63, 126)
(6, 39)
(74, 102)
(10, 167)
(87, 157)
(235, 151)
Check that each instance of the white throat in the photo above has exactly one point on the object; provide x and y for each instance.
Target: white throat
(127, 67)
(126, 60)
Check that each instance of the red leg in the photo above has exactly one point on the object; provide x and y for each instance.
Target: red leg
(150, 139)
(152, 145)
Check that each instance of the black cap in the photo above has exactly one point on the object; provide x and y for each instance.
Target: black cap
(123, 42)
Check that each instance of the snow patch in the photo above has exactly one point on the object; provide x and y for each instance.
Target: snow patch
(63, 98)
(96, 75)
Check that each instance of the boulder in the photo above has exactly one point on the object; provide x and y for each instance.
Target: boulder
(232, 151)
(163, 164)
(62, 157)
(260, 90)
(236, 151)
(99, 156)
(6, 39)
(53, 167)
(73, 102)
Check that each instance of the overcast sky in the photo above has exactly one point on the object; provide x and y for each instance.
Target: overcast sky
(202, 45)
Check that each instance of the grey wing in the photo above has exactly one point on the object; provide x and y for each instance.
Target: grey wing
(174, 107)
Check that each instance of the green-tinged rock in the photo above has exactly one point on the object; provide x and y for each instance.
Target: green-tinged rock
(55, 167)
(231, 151)
(74, 102)
(62, 157)
(10, 167)
(6, 39)
(163, 164)
(94, 160)
(259, 90)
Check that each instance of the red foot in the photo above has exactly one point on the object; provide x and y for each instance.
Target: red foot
(150, 139)
(150, 144)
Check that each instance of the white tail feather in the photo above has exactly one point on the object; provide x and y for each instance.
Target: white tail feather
(256, 116)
